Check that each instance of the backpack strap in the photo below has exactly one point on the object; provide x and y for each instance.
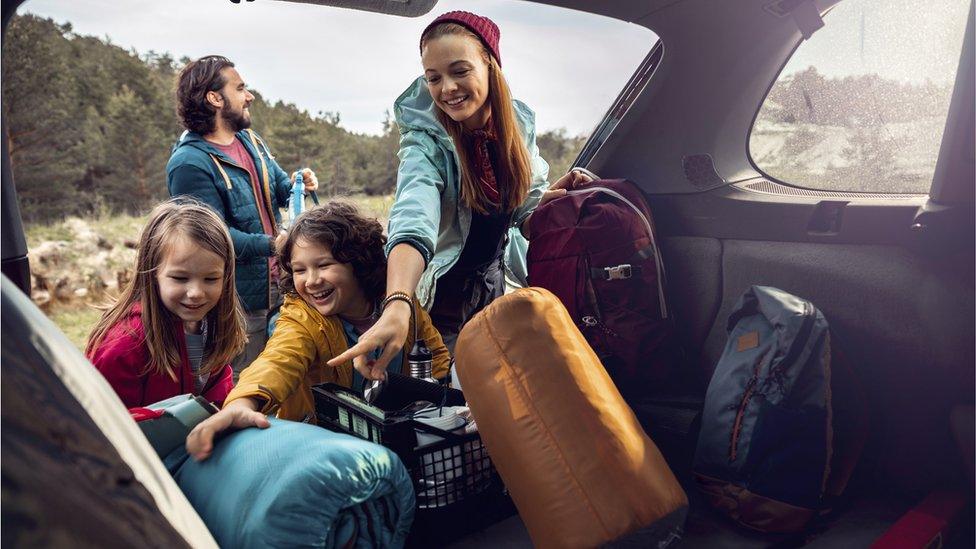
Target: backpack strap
(266, 186)
(617, 272)
(626, 270)
(256, 139)
(222, 172)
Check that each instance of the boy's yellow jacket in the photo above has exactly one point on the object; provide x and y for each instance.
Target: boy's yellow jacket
(296, 355)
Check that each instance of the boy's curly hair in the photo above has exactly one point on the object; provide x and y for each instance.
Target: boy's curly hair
(353, 239)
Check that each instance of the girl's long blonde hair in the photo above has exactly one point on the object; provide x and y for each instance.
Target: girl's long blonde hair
(514, 172)
(226, 334)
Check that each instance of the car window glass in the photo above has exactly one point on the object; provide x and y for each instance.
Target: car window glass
(861, 105)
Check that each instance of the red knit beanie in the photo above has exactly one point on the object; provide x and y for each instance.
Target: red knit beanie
(484, 28)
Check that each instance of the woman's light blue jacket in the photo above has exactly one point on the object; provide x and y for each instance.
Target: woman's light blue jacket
(427, 210)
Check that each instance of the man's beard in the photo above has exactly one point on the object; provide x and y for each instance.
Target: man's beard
(237, 120)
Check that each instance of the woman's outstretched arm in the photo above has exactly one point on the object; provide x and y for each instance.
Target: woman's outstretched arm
(403, 270)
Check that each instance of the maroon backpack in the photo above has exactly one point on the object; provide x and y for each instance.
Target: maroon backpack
(596, 249)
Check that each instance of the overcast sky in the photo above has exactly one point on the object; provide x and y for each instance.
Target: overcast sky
(568, 66)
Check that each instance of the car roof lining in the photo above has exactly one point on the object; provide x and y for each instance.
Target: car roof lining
(403, 8)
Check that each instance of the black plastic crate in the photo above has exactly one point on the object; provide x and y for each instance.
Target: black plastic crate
(457, 488)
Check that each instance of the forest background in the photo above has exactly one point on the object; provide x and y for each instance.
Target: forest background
(90, 129)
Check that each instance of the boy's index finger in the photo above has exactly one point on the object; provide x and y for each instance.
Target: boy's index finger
(342, 357)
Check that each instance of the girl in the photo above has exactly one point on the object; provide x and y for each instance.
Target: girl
(470, 176)
(333, 278)
(177, 324)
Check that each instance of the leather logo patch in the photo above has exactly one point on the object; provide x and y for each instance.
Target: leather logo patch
(747, 341)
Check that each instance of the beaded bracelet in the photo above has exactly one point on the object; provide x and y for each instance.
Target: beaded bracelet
(397, 296)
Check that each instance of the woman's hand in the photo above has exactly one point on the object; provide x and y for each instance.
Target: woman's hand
(239, 414)
(389, 333)
(573, 179)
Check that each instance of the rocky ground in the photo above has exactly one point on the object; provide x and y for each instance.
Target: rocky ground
(86, 266)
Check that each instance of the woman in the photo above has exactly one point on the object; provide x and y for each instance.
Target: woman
(470, 176)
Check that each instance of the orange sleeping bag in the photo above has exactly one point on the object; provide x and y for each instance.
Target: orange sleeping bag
(579, 467)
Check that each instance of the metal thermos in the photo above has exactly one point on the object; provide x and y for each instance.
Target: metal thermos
(420, 362)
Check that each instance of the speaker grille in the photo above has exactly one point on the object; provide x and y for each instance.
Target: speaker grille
(771, 187)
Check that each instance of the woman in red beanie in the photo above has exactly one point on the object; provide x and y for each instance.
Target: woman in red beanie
(470, 176)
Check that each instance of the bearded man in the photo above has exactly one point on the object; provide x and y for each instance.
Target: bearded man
(221, 162)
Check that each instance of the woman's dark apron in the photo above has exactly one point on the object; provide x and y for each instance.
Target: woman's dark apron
(476, 279)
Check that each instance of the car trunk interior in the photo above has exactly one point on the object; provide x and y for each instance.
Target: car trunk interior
(894, 276)
(898, 297)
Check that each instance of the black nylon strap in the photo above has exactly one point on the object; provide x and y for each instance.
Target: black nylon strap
(625, 270)
(644, 253)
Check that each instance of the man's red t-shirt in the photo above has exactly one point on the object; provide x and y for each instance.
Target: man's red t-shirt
(238, 153)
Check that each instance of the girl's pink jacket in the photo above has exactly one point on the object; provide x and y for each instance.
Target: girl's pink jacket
(123, 357)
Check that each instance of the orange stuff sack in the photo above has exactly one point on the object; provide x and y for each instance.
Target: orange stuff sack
(580, 469)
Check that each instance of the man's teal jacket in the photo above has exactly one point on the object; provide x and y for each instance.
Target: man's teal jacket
(199, 169)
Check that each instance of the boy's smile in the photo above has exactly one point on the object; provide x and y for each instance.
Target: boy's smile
(324, 283)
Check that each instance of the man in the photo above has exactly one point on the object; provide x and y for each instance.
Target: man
(224, 164)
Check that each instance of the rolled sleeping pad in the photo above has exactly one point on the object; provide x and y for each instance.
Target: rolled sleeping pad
(298, 485)
(580, 469)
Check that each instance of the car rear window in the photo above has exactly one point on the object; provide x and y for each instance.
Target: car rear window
(861, 105)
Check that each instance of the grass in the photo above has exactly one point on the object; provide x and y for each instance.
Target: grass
(115, 228)
(120, 227)
(39, 233)
(371, 206)
(76, 319)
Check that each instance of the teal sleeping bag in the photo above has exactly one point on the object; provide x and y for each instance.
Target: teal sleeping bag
(298, 485)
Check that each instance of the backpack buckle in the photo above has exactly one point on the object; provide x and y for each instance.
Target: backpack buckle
(620, 272)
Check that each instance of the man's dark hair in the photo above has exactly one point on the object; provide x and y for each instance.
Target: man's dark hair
(196, 79)
(353, 239)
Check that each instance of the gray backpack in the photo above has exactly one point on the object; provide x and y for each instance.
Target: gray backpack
(765, 447)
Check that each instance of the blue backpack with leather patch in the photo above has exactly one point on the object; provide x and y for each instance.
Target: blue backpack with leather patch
(766, 443)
